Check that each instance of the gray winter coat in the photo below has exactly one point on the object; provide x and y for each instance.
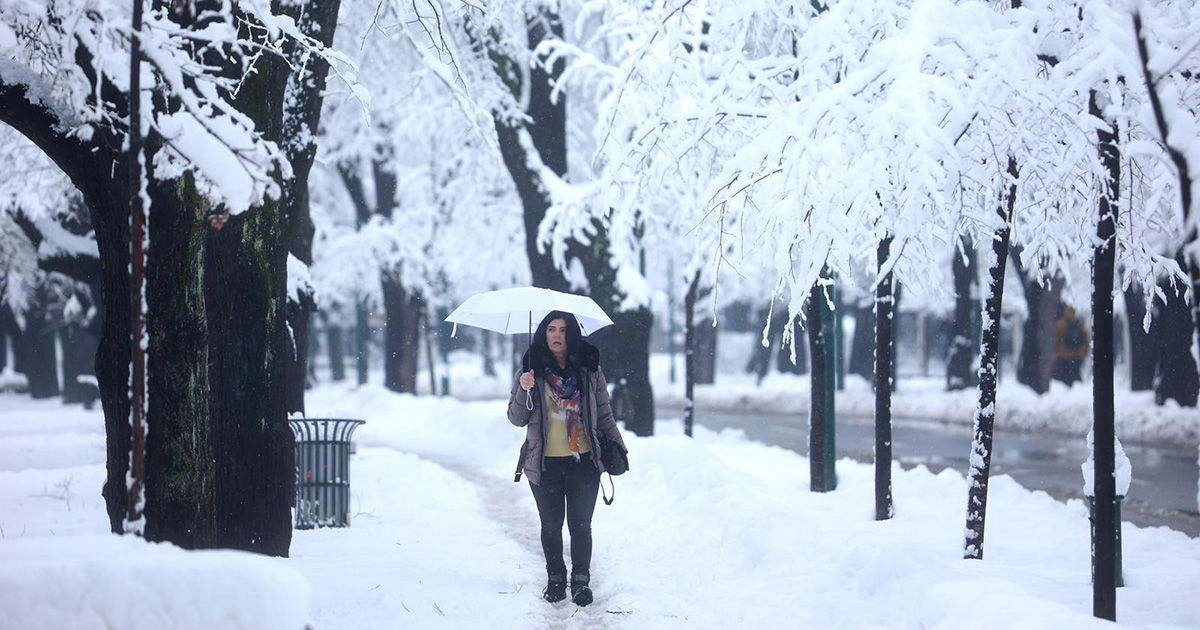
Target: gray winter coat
(598, 418)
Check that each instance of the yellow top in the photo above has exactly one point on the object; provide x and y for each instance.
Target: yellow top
(556, 430)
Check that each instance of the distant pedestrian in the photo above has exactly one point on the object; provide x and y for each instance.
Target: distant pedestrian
(1071, 345)
(562, 401)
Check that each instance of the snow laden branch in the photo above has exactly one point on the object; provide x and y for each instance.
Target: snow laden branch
(72, 59)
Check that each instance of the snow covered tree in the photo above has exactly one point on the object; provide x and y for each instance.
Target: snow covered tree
(219, 464)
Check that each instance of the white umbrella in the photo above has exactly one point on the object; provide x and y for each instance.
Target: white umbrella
(512, 311)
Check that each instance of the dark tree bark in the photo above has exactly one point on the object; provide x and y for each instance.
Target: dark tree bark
(862, 342)
(181, 464)
(962, 340)
(989, 359)
(1035, 365)
(823, 476)
(1175, 375)
(302, 116)
(884, 343)
(87, 165)
(36, 349)
(689, 345)
(547, 133)
(1182, 168)
(624, 346)
(1104, 587)
(402, 305)
(1143, 356)
(402, 336)
(706, 350)
(245, 276)
(337, 365)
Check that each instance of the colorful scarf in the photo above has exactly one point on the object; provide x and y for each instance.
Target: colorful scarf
(566, 395)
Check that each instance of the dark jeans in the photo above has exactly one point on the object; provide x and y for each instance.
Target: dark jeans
(568, 489)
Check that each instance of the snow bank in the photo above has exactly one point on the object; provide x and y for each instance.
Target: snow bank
(84, 582)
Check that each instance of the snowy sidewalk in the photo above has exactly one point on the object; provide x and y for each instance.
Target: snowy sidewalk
(715, 532)
(719, 532)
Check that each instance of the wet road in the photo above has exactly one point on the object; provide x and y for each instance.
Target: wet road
(1162, 492)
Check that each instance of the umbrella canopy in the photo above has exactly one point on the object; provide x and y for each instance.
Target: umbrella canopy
(511, 311)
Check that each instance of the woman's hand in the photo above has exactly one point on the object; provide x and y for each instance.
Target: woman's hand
(527, 380)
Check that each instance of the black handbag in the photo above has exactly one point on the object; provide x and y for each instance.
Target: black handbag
(616, 462)
(613, 456)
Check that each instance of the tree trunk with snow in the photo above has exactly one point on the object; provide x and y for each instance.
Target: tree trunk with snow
(1104, 587)
(962, 336)
(181, 463)
(690, 359)
(305, 94)
(546, 129)
(246, 299)
(884, 344)
(624, 346)
(989, 354)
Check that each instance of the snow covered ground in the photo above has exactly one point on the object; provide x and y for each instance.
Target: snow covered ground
(715, 532)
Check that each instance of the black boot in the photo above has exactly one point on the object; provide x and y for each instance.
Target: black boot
(581, 593)
(556, 589)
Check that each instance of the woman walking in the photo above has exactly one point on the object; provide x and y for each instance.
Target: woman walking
(562, 401)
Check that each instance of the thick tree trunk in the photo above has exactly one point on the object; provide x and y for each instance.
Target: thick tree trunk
(180, 461)
(302, 116)
(245, 282)
(980, 460)
(178, 504)
(337, 353)
(1143, 356)
(547, 131)
(823, 477)
(962, 341)
(1104, 588)
(689, 361)
(402, 335)
(884, 342)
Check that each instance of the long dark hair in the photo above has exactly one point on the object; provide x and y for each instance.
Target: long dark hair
(540, 356)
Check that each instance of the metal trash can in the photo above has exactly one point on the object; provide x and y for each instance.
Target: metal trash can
(323, 471)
